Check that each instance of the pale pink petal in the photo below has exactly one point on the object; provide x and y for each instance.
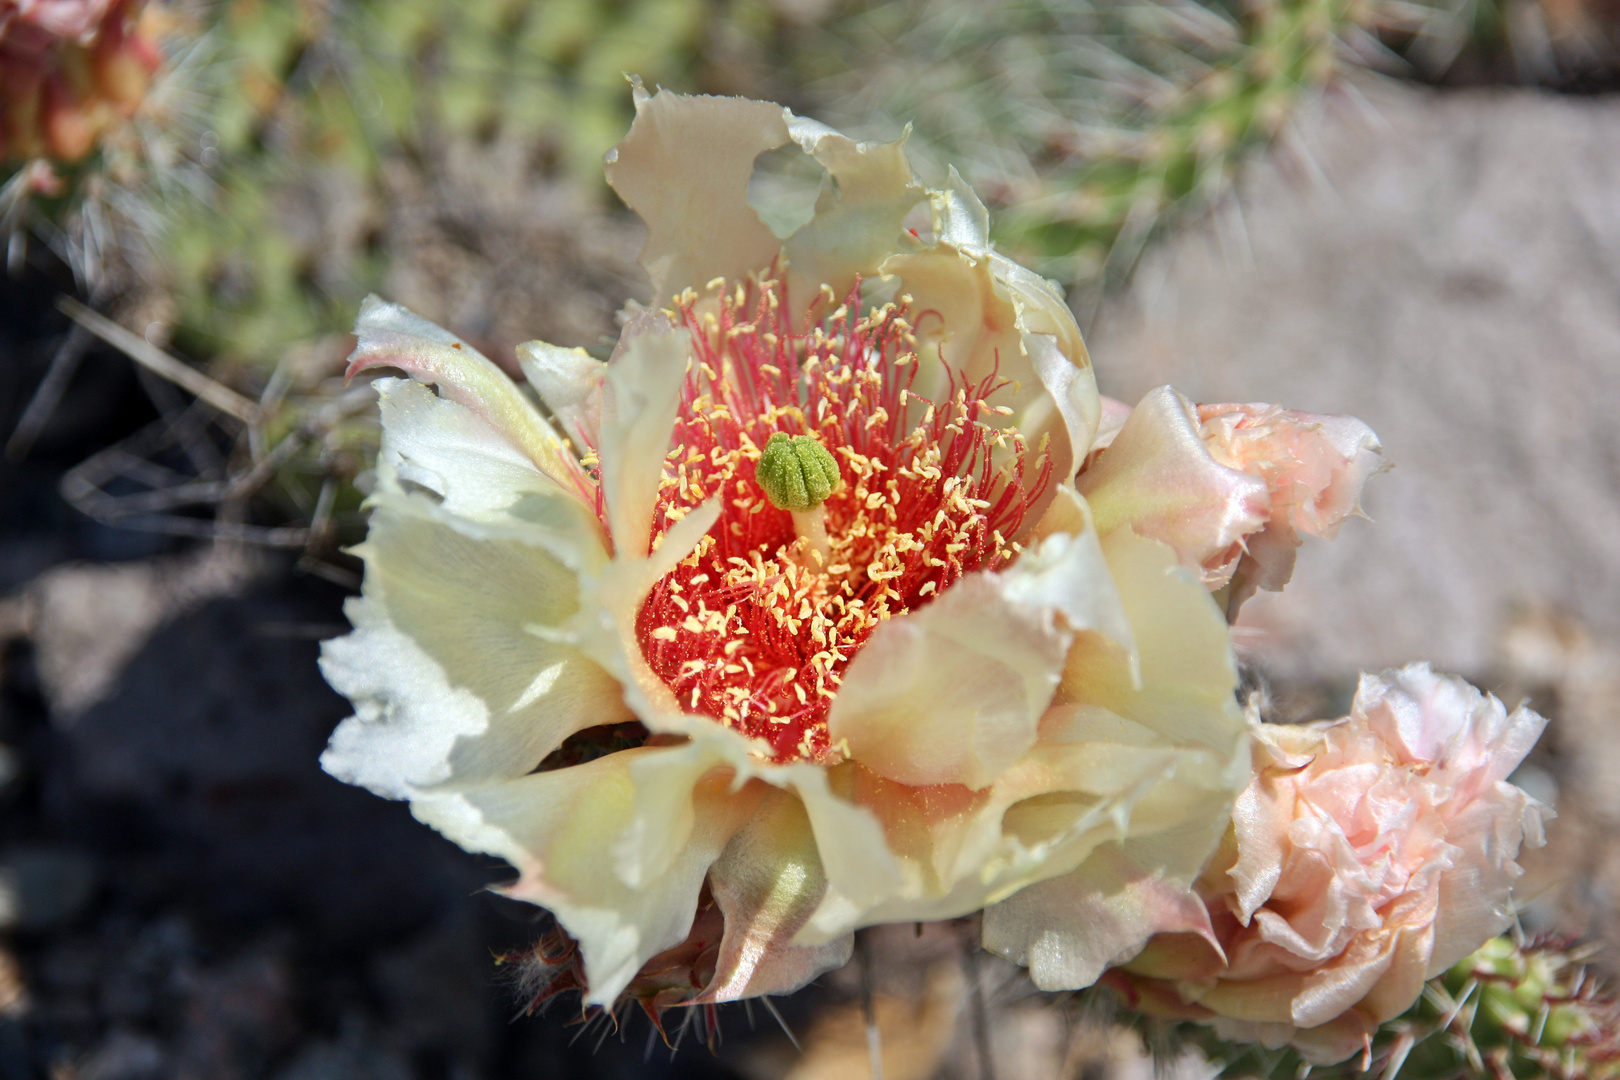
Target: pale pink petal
(1158, 478)
(1314, 465)
(1368, 855)
(1476, 895)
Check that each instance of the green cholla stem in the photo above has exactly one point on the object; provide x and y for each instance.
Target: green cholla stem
(797, 474)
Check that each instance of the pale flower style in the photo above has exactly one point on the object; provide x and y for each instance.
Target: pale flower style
(1232, 488)
(1367, 855)
(624, 673)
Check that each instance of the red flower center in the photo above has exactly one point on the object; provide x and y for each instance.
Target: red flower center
(748, 629)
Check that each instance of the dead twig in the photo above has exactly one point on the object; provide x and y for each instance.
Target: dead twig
(161, 363)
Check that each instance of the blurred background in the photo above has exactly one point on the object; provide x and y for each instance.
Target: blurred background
(1406, 210)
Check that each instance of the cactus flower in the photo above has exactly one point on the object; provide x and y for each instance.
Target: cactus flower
(69, 70)
(1366, 855)
(1231, 487)
(595, 642)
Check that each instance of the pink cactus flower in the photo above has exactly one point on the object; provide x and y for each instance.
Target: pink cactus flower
(1367, 855)
(1232, 488)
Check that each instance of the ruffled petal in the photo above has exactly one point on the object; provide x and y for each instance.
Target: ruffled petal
(685, 169)
(859, 215)
(640, 397)
(1476, 894)
(1068, 930)
(1158, 478)
(768, 882)
(391, 336)
(569, 381)
(1315, 465)
(574, 833)
(451, 667)
(950, 694)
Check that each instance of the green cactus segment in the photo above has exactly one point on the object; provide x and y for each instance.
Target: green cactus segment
(796, 472)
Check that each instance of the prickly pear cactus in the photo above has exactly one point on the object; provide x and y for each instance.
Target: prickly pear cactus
(1511, 1011)
(1086, 125)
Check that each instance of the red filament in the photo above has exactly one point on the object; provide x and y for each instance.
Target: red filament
(751, 629)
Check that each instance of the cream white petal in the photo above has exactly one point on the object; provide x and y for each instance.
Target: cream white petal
(450, 681)
(1042, 312)
(951, 693)
(391, 336)
(605, 630)
(1162, 750)
(1068, 930)
(978, 315)
(684, 168)
(996, 637)
(1071, 393)
(1158, 477)
(1187, 673)
(569, 381)
(859, 215)
(960, 218)
(1116, 760)
(407, 717)
(562, 829)
(436, 446)
(768, 882)
(1065, 569)
(640, 397)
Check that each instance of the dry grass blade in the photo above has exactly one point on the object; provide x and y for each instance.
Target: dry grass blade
(161, 363)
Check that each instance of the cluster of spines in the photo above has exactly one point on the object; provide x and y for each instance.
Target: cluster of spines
(1513, 1010)
(553, 968)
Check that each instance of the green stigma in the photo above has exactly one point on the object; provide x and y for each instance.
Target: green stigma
(797, 472)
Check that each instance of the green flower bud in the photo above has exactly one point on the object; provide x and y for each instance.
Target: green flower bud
(797, 472)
